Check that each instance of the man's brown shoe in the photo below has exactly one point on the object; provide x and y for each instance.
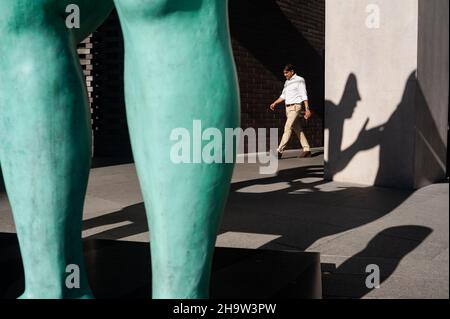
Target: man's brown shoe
(305, 154)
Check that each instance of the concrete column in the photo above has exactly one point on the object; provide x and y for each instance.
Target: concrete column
(432, 98)
(386, 112)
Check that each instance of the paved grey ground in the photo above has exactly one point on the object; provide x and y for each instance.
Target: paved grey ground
(405, 233)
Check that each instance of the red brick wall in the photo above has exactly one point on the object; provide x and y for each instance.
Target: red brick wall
(111, 138)
(85, 55)
(266, 35)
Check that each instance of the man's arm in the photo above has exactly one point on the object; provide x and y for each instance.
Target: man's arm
(277, 102)
(308, 113)
(304, 94)
(280, 100)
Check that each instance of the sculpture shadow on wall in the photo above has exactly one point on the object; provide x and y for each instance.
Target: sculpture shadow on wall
(265, 31)
(393, 138)
(339, 114)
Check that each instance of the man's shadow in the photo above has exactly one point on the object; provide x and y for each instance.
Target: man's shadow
(335, 118)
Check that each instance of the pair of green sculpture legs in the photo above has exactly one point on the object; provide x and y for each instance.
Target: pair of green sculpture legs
(178, 68)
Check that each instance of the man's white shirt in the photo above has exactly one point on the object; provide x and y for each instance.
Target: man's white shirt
(294, 91)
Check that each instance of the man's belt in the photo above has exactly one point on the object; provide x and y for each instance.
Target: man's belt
(288, 105)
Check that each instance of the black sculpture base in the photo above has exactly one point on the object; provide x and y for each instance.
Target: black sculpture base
(120, 269)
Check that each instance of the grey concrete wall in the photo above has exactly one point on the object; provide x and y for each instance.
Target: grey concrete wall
(370, 91)
(387, 95)
(432, 96)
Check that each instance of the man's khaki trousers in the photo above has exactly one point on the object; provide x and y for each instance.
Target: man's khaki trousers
(293, 123)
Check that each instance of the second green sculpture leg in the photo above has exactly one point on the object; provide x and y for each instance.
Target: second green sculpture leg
(179, 68)
(45, 140)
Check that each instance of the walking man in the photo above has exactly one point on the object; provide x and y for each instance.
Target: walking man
(295, 97)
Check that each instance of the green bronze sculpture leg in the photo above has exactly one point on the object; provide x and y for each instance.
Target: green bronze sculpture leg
(179, 68)
(45, 139)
